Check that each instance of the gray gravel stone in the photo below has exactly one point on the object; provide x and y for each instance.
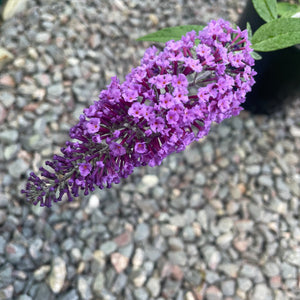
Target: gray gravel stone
(71, 295)
(36, 142)
(149, 181)
(41, 273)
(279, 206)
(57, 275)
(224, 240)
(291, 284)
(6, 275)
(176, 244)
(199, 179)
(224, 131)
(225, 224)
(82, 90)
(152, 253)
(178, 220)
(7, 293)
(292, 257)
(203, 219)
(43, 291)
(55, 91)
(196, 200)
(208, 152)
(153, 286)
(9, 136)
(253, 169)
(142, 232)
(2, 220)
(120, 283)
(107, 295)
(177, 257)
(262, 292)
(24, 297)
(295, 131)
(213, 293)
(84, 288)
(108, 247)
(99, 283)
(244, 284)
(249, 271)
(12, 8)
(271, 269)
(192, 155)
(291, 158)
(212, 256)
(11, 151)
(188, 234)
(7, 98)
(138, 278)
(229, 269)
(2, 244)
(193, 277)
(3, 114)
(35, 247)
(149, 267)
(127, 250)
(138, 257)
(5, 57)
(170, 288)
(43, 37)
(281, 185)
(168, 230)
(228, 287)
(265, 180)
(141, 294)
(244, 225)
(14, 252)
(211, 277)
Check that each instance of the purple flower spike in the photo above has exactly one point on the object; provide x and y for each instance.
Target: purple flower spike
(165, 104)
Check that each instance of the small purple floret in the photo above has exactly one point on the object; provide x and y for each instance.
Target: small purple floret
(85, 169)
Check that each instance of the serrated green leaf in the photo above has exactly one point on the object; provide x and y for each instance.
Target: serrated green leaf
(170, 33)
(277, 34)
(267, 9)
(287, 10)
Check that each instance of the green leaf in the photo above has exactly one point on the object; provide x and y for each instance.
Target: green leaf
(277, 34)
(249, 30)
(170, 33)
(255, 55)
(267, 9)
(286, 10)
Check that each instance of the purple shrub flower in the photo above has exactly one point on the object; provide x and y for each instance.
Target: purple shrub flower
(93, 125)
(85, 169)
(140, 148)
(165, 104)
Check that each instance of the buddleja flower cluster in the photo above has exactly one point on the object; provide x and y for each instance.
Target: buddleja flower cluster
(165, 104)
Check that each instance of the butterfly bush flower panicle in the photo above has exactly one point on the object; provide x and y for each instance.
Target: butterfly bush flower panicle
(165, 104)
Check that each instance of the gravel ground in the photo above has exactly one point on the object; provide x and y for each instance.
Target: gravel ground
(217, 221)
